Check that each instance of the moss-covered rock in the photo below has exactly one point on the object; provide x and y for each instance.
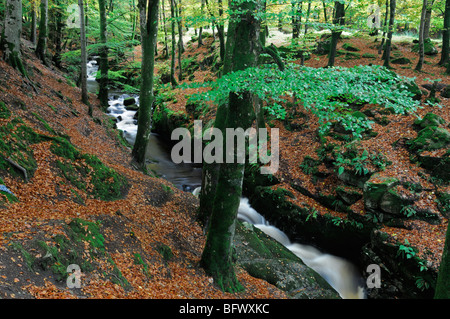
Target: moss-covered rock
(350, 47)
(401, 60)
(374, 190)
(430, 138)
(430, 119)
(265, 258)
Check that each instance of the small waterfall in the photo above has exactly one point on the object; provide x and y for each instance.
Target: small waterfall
(338, 272)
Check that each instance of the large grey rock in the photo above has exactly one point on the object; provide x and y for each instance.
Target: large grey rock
(264, 258)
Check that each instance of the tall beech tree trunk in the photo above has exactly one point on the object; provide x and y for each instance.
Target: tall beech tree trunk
(103, 53)
(41, 47)
(148, 11)
(10, 40)
(421, 36)
(243, 47)
(383, 39)
(84, 91)
(387, 53)
(33, 33)
(339, 12)
(174, 43)
(445, 35)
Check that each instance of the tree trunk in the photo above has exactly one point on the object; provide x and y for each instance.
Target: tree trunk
(307, 17)
(221, 32)
(149, 32)
(172, 63)
(325, 11)
(166, 45)
(103, 53)
(33, 34)
(387, 53)
(58, 34)
(427, 23)
(10, 40)
(296, 18)
(442, 290)
(339, 12)
(384, 29)
(445, 35)
(217, 255)
(84, 91)
(179, 16)
(421, 36)
(41, 46)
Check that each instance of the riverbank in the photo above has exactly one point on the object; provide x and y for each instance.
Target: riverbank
(143, 243)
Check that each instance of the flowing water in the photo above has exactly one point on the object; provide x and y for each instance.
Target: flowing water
(338, 272)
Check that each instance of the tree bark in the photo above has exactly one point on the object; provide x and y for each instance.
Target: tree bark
(217, 255)
(421, 36)
(149, 32)
(445, 35)
(172, 63)
(10, 40)
(84, 91)
(41, 46)
(103, 53)
(339, 12)
(387, 53)
(33, 33)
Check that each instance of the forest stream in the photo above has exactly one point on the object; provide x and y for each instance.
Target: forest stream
(341, 274)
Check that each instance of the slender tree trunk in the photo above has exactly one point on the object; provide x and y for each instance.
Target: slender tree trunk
(442, 290)
(217, 254)
(179, 18)
(172, 63)
(103, 53)
(41, 46)
(84, 91)
(166, 45)
(297, 8)
(149, 32)
(339, 13)
(59, 24)
(387, 57)
(325, 11)
(445, 35)
(421, 36)
(10, 40)
(33, 35)
(307, 17)
(384, 29)
(221, 32)
(427, 23)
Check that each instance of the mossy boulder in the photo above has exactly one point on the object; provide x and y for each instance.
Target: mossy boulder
(393, 202)
(374, 190)
(430, 138)
(430, 119)
(350, 47)
(165, 121)
(349, 195)
(446, 92)
(263, 257)
(412, 87)
(429, 48)
(129, 101)
(401, 60)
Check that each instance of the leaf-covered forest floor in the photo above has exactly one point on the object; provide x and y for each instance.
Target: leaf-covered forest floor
(146, 244)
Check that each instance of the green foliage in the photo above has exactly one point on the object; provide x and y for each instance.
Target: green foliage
(312, 87)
